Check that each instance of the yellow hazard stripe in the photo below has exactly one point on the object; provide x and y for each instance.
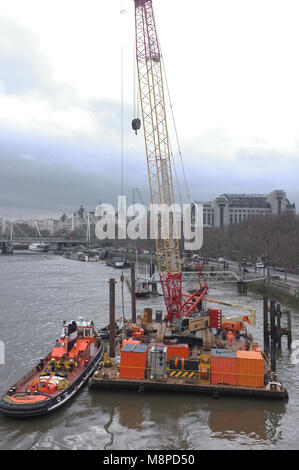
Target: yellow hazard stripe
(181, 373)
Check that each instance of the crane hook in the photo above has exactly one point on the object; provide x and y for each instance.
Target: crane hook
(136, 124)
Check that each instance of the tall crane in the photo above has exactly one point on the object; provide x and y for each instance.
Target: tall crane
(158, 156)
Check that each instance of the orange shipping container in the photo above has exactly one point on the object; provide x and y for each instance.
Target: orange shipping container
(133, 359)
(129, 341)
(250, 368)
(223, 367)
(181, 350)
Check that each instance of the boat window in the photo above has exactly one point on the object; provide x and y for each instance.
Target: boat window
(80, 331)
(87, 332)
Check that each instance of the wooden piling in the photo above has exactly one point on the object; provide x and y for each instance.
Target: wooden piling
(152, 268)
(266, 329)
(242, 288)
(112, 283)
(122, 279)
(133, 293)
(288, 312)
(278, 328)
(273, 335)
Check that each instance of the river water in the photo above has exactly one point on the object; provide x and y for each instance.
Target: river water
(39, 291)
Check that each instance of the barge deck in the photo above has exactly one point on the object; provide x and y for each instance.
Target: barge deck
(110, 382)
(212, 364)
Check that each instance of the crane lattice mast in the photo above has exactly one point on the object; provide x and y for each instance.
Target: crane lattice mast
(158, 155)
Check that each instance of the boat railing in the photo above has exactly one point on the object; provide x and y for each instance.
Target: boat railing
(30, 373)
(25, 378)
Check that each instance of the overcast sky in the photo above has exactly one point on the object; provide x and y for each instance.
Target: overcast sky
(233, 73)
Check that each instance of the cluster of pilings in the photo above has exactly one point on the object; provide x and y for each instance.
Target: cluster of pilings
(112, 283)
(274, 330)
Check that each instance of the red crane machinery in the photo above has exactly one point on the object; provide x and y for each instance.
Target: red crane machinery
(158, 155)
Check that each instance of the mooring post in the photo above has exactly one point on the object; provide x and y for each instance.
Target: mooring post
(133, 293)
(112, 283)
(273, 335)
(122, 279)
(266, 329)
(242, 288)
(152, 269)
(278, 328)
(288, 312)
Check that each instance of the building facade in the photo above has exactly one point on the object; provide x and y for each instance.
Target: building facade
(77, 220)
(234, 208)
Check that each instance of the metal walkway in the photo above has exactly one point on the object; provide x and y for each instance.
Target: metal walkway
(213, 276)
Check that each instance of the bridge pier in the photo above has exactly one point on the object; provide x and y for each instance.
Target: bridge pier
(60, 246)
(5, 249)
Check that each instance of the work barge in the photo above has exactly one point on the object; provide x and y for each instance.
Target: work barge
(190, 347)
(203, 354)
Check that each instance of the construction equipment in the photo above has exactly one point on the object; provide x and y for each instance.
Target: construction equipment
(250, 317)
(233, 326)
(204, 370)
(191, 325)
(158, 155)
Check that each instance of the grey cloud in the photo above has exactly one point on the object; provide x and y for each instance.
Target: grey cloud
(50, 170)
(23, 67)
(251, 171)
(25, 70)
(39, 172)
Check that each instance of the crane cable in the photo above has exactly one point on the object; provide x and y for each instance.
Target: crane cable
(122, 12)
(136, 102)
(175, 129)
(176, 176)
(136, 109)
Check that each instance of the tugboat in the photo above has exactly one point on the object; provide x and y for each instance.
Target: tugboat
(59, 375)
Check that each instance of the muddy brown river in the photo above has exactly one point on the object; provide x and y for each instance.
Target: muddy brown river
(39, 291)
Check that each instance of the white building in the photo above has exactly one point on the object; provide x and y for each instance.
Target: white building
(234, 208)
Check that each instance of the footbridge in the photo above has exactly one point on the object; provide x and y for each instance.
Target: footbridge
(41, 239)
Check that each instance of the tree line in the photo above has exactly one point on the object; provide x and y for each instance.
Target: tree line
(272, 237)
